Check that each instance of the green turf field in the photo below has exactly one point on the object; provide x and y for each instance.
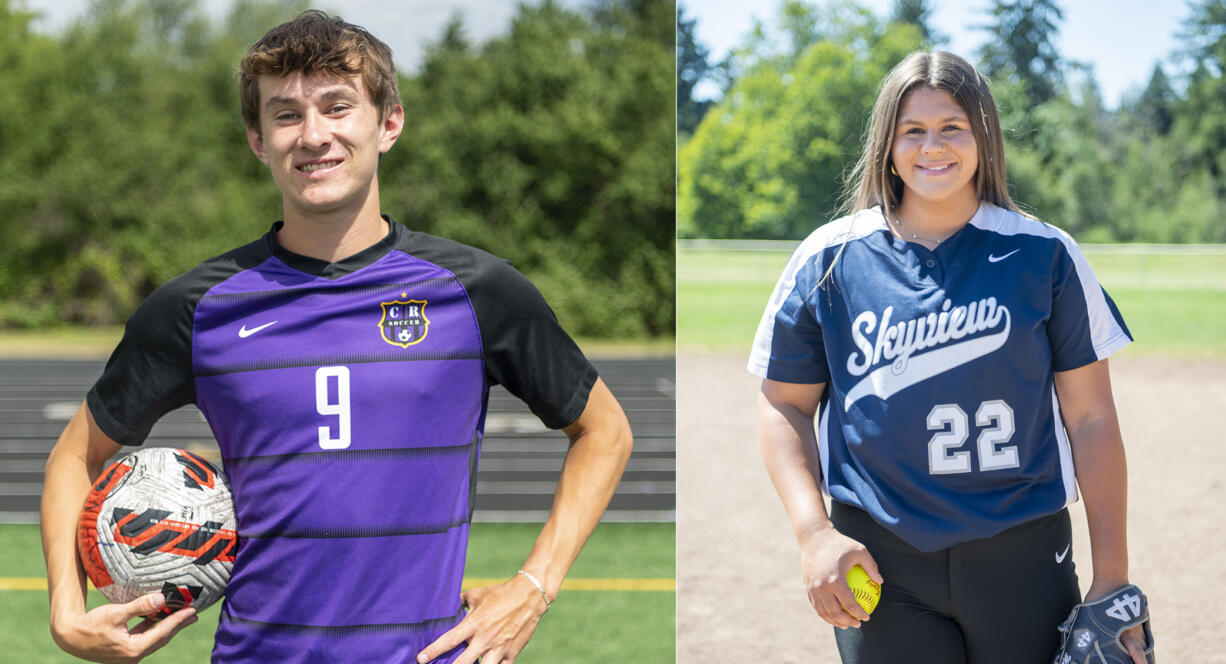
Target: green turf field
(1172, 304)
(582, 626)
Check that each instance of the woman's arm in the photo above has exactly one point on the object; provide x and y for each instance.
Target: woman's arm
(789, 450)
(1088, 409)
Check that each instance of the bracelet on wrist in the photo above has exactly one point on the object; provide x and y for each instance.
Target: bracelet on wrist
(539, 586)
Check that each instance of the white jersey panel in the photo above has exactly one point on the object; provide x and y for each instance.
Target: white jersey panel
(823, 442)
(1067, 471)
(807, 259)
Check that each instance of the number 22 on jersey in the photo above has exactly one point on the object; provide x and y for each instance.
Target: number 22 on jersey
(324, 405)
(952, 429)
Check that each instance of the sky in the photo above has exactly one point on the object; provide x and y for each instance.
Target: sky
(407, 26)
(1120, 39)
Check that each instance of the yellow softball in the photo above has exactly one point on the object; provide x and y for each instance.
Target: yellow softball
(866, 590)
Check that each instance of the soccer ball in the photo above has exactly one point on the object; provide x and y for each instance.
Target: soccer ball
(159, 519)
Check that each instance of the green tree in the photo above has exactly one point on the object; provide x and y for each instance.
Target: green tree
(125, 160)
(692, 68)
(134, 166)
(552, 146)
(1021, 46)
(1154, 108)
(800, 22)
(1064, 170)
(1202, 134)
(1205, 35)
(798, 25)
(768, 161)
(919, 14)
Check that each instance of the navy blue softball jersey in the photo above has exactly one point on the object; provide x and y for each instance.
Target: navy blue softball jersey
(940, 416)
(348, 400)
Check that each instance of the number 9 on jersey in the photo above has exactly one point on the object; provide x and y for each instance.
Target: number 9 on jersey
(339, 407)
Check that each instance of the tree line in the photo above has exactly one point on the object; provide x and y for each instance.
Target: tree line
(767, 160)
(124, 160)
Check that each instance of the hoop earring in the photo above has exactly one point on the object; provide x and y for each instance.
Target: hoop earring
(892, 171)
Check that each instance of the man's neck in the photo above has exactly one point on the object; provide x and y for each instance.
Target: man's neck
(334, 235)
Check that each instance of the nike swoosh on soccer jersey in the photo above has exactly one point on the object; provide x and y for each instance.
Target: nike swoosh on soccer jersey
(243, 332)
(1061, 556)
(993, 258)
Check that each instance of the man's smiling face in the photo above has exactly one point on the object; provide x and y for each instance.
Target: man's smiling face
(321, 136)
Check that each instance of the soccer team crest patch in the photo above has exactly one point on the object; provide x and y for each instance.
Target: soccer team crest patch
(404, 322)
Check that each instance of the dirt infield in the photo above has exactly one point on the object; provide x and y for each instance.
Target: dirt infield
(739, 596)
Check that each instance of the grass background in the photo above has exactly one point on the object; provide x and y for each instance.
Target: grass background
(581, 626)
(1174, 304)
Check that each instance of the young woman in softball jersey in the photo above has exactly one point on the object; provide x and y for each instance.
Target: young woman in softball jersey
(935, 361)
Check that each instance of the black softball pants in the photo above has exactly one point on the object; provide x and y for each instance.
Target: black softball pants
(993, 601)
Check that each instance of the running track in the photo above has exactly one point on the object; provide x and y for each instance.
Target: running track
(520, 458)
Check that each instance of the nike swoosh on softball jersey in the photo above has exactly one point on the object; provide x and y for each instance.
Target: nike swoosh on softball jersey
(940, 417)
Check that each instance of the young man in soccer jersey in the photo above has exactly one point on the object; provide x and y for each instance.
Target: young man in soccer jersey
(343, 362)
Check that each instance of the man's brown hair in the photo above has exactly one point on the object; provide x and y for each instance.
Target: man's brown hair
(314, 42)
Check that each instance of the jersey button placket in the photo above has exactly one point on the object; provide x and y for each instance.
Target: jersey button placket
(930, 266)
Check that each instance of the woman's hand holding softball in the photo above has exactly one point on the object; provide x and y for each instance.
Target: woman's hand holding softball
(825, 556)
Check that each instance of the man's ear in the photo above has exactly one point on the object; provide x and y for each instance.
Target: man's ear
(393, 124)
(256, 142)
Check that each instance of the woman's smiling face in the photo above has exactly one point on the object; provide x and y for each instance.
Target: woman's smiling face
(934, 150)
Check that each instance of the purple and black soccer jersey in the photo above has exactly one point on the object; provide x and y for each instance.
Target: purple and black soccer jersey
(348, 400)
(940, 416)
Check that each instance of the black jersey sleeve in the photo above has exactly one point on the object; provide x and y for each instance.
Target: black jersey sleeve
(150, 372)
(526, 349)
(524, 346)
